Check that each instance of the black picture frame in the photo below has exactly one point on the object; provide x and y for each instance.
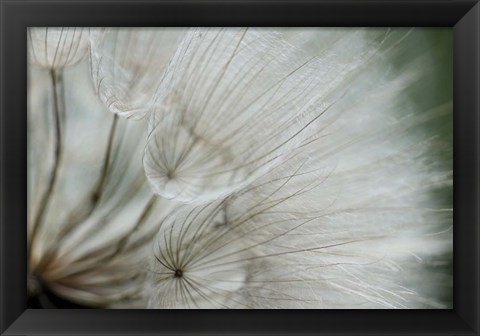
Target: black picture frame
(17, 15)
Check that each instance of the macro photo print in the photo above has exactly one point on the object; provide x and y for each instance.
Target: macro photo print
(243, 168)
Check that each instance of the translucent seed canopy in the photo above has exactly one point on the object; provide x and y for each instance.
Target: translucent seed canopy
(127, 64)
(57, 48)
(231, 103)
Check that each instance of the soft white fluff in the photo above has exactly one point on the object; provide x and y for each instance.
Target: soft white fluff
(232, 102)
(354, 217)
(307, 235)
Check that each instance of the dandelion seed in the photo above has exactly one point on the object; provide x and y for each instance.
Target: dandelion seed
(57, 48)
(127, 64)
(231, 103)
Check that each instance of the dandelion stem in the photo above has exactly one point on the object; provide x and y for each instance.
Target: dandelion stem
(106, 163)
(97, 191)
(141, 220)
(94, 198)
(57, 138)
(115, 248)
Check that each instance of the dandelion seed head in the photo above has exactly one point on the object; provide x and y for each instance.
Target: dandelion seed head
(315, 176)
(340, 220)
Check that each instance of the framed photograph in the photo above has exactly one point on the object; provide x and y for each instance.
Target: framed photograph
(264, 167)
